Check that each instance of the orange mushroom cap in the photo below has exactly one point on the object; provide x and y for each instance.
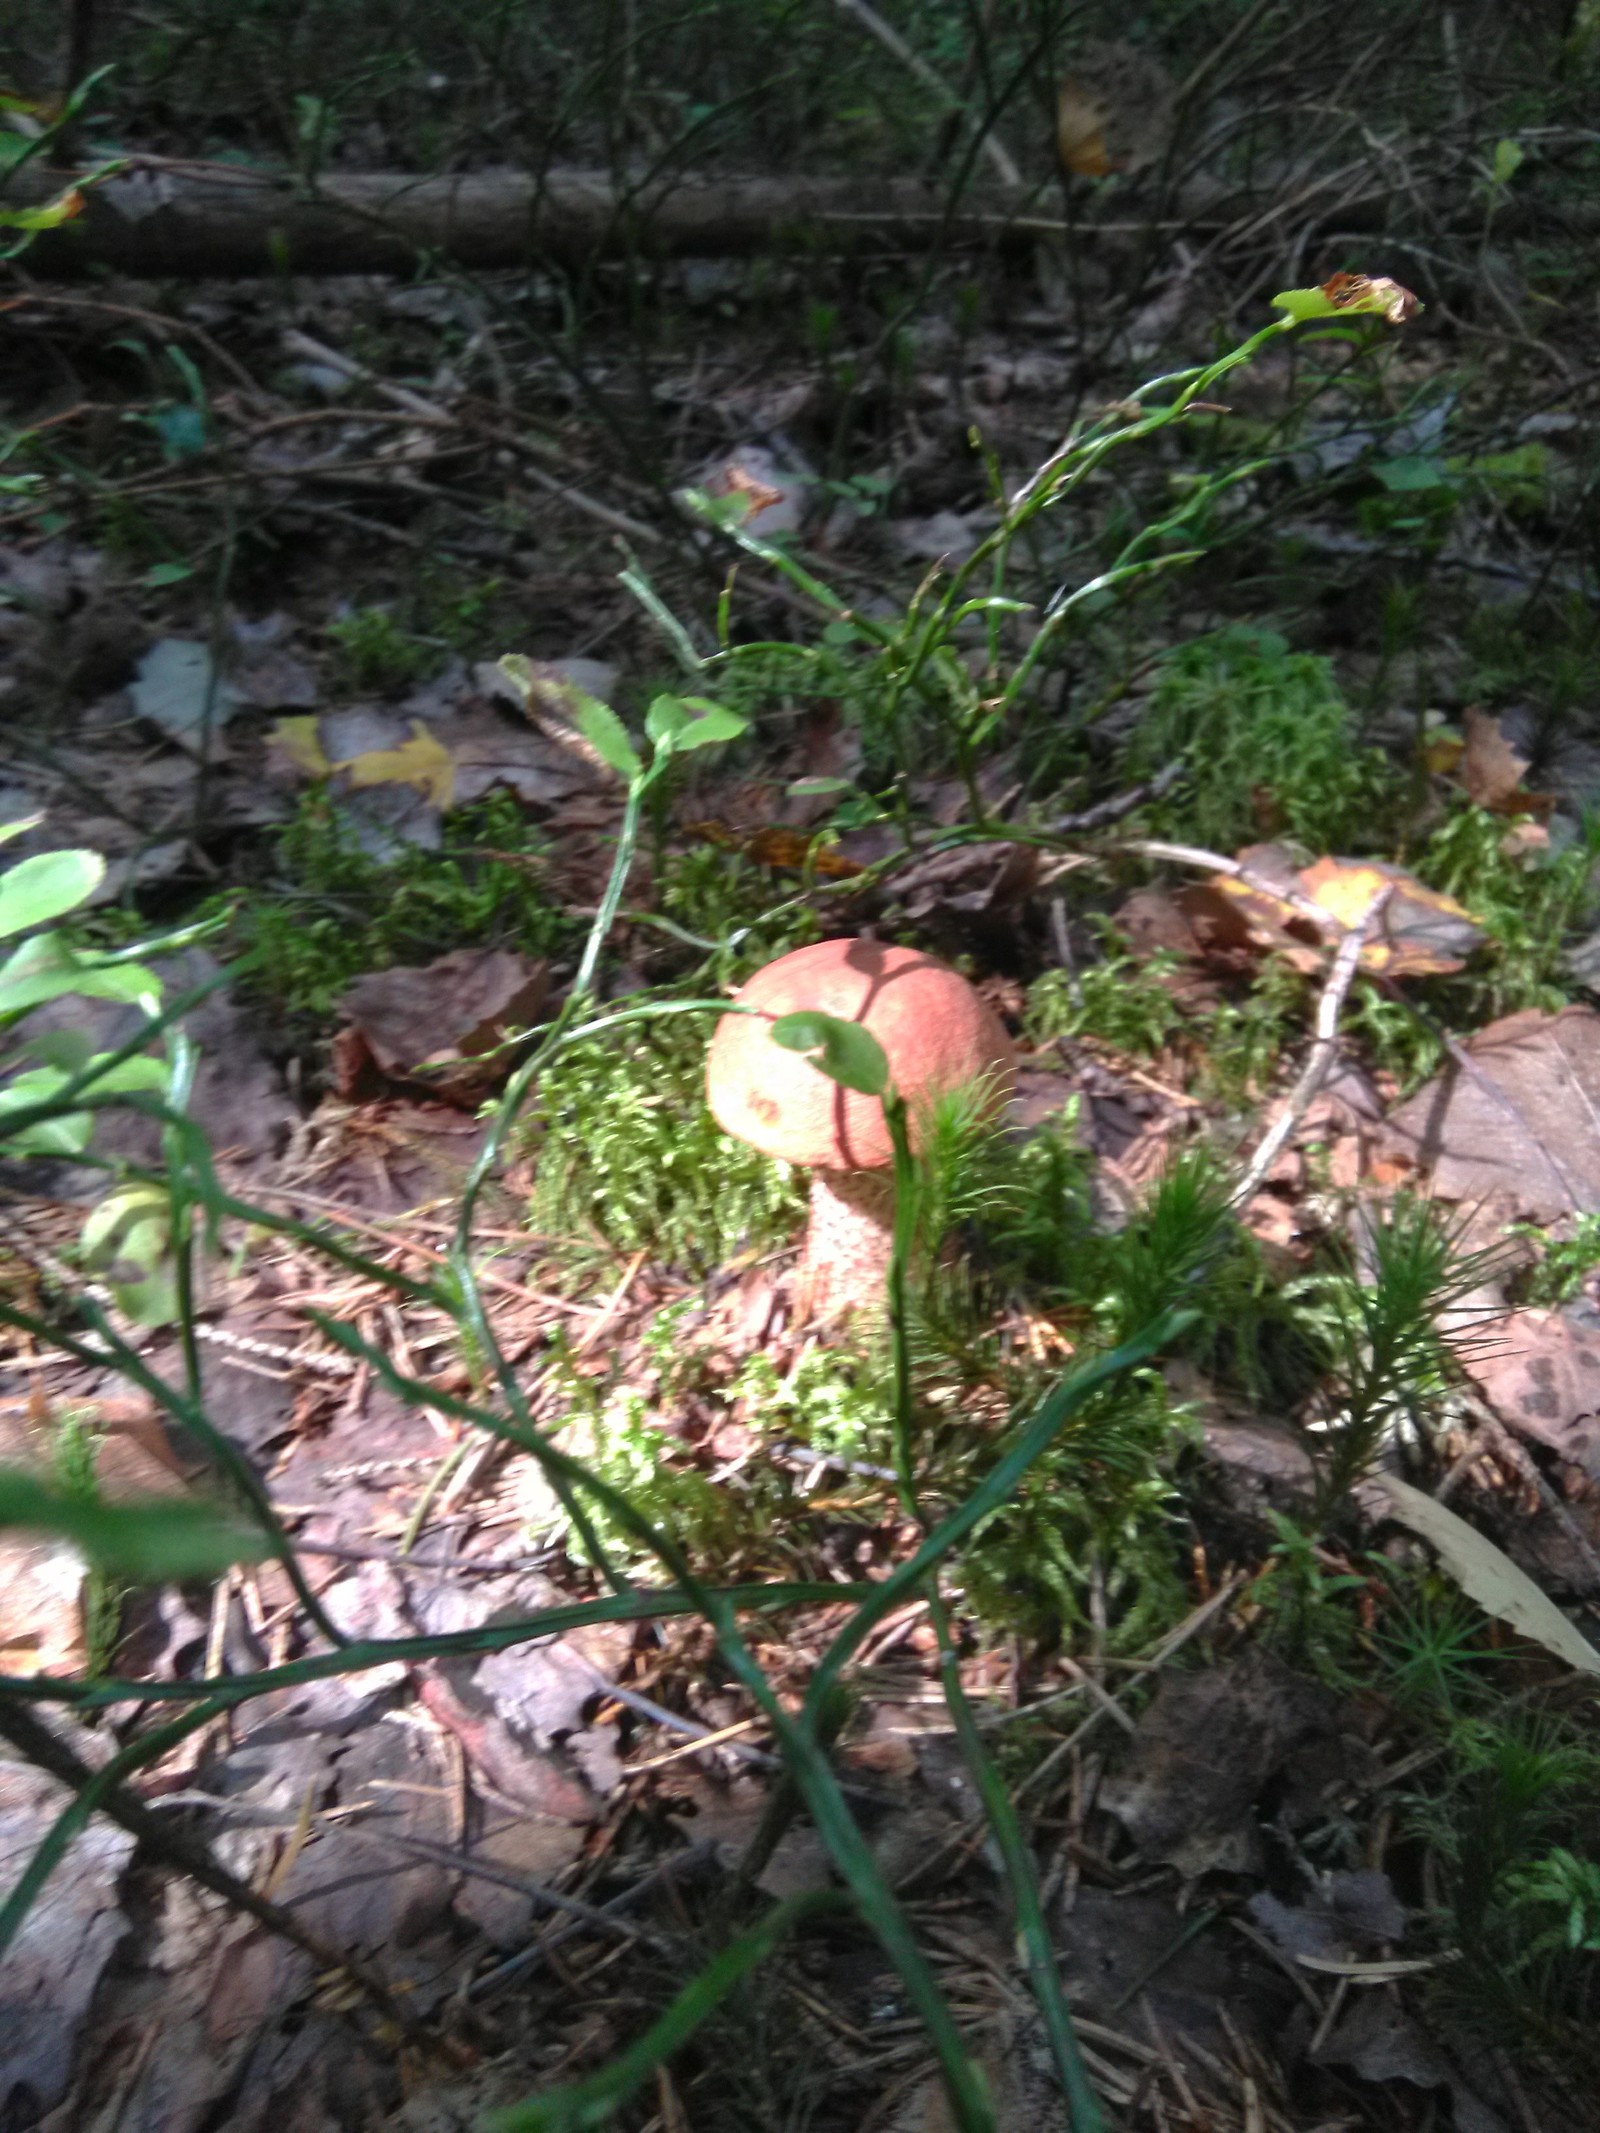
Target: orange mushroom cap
(936, 1032)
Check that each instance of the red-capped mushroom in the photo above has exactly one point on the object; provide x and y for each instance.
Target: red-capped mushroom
(937, 1034)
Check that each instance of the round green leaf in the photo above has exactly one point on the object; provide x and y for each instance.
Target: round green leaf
(148, 1542)
(39, 889)
(844, 1051)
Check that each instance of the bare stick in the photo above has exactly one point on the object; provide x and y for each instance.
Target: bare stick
(1194, 855)
(1341, 975)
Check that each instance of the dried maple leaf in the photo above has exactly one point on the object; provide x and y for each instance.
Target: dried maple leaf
(1362, 292)
(1491, 770)
(1420, 932)
(1114, 111)
(298, 741)
(1080, 133)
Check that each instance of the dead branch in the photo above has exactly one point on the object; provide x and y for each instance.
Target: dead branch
(1341, 975)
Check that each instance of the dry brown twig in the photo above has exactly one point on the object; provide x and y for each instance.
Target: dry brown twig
(429, 411)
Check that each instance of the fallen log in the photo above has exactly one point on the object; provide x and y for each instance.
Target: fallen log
(158, 219)
(162, 219)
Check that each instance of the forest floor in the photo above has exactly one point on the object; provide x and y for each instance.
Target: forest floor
(1283, 1661)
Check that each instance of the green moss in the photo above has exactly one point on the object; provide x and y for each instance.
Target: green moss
(828, 1400)
(375, 655)
(747, 914)
(1529, 905)
(1121, 1000)
(630, 1158)
(328, 911)
(1269, 745)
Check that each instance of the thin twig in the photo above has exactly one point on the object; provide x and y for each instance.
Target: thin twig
(413, 403)
(1325, 1049)
(1194, 855)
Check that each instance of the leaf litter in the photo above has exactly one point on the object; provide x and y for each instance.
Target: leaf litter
(418, 1762)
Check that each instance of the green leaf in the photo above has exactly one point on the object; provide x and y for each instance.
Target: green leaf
(45, 968)
(817, 788)
(674, 732)
(1509, 157)
(39, 889)
(61, 209)
(69, 1049)
(715, 725)
(519, 671)
(664, 721)
(1412, 472)
(151, 1541)
(67, 1134)
(127, 1234)
(1304, 303)
(844, 1051)
(8, 830)
(606, 735)
(1483, 1572)
(1351, 295)
(71, 1130)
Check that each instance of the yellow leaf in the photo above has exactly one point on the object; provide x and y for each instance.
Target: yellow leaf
(423, 762)
(1442, 751)
(1080, 133)
(1344, 889)
(300, 740)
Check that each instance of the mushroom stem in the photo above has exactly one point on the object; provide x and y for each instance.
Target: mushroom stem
(849, 1241)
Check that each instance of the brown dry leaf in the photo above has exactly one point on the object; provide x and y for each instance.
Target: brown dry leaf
(776, 844)
(1540, 1372)
(435, 1023)
(41, 1591)
(1377, 293)
(1491, 769)
(1378, 2041)
(489, 753)
(1152, 921)
(41, 1576)
(53, 1968)
(1523, 1125)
